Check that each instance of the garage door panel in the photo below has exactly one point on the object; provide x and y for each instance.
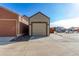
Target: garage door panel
(7, 28)
(39, 29)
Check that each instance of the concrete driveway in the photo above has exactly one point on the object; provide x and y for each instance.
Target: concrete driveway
(5, 40)
(59, 44)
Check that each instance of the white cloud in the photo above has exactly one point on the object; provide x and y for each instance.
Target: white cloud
(73, 22)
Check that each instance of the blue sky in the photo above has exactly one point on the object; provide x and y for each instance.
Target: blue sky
(56, 11)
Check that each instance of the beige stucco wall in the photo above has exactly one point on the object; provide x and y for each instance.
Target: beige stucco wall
(21, 21)
(22, 24)
(39, 18)
(24, 20)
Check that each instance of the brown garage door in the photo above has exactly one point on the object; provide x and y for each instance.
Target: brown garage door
(7, 28)
(39, 29)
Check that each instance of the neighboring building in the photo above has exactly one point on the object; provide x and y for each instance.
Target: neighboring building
(39, 24)
(11, 24)
(60, 29)
(52, 30)
(74, 29)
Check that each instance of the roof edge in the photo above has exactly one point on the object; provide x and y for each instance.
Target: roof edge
(8, 10)
(38, 13)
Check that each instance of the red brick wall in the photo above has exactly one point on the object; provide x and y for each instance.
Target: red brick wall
(7, 28)
(8, 22)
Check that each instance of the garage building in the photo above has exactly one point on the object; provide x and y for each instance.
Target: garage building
(13, 24)
(39, 25)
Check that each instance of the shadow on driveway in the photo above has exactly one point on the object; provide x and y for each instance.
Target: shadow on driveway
(21, 39)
